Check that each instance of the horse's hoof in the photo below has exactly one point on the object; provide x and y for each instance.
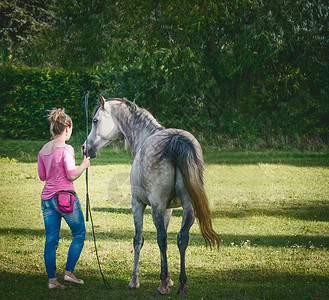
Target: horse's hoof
(163, 290)
(170, 283)
(182, 291)
(133, 285)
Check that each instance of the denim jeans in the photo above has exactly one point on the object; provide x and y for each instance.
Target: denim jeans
(52, 218)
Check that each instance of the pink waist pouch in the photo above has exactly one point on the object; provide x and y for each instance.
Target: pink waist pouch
(65, 201)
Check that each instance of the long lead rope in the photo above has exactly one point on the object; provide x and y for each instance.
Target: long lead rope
(107, 285)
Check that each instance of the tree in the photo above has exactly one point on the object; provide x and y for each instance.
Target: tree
(21, 23)
(249, 69)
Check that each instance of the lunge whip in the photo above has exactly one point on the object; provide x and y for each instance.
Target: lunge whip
(107, 285)
(87, 192)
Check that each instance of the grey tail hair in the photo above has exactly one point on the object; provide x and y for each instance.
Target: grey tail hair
(181, 151)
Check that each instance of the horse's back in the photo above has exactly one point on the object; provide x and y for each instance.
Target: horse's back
(156, 167)
(161, 140)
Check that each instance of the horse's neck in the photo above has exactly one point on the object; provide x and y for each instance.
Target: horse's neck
(137, 131)
(136, 137)
(136, 140)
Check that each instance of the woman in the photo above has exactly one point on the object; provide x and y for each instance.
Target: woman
(56, 166)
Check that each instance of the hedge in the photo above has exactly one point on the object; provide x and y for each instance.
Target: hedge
(27, 93)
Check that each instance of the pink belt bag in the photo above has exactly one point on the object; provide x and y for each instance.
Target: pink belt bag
(65, 201)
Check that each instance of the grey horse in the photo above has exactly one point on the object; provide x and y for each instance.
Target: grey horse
(167, 172)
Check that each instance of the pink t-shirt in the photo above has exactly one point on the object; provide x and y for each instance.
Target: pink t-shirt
(54, 168)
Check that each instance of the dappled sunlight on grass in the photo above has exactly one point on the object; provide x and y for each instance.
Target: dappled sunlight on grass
(271, 211)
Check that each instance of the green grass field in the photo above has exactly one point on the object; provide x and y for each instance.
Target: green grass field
(270, 208)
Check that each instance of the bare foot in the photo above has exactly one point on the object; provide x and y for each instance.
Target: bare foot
(70, 277)
(54, 284)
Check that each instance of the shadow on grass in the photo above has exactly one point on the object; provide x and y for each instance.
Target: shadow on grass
(27, 151)
(34, 286)
(127, 211)
(288, 241)
(228, 240)
(316, 212)
(241, 282)
(245, 282)
(293, 158)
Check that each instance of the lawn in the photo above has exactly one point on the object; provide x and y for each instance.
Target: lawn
(271, 209)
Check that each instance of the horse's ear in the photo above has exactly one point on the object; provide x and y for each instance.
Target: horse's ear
(101, 100)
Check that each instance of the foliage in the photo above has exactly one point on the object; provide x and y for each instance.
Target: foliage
(251, 71)
(27, 93)
(21, 23)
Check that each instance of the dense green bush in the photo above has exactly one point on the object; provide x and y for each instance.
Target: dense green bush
(248, 72)
(243, 72)
(27, 93)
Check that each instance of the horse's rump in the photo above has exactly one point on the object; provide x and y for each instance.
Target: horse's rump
(184, 152)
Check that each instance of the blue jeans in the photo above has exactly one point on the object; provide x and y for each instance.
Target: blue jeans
(52, 218)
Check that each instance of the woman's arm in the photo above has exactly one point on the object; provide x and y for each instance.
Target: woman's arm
(41, 169)
(84, 165)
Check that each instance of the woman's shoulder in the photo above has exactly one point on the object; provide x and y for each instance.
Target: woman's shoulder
(52, 147)
(69, 148)
(47, 149)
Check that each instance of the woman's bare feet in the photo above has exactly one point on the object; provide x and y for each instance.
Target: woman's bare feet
(54, 284)
(70, 277)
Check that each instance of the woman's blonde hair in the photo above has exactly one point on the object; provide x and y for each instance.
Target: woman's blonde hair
(59, 120)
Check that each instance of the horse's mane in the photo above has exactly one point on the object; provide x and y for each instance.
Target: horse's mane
(140, 115)
(111, 99)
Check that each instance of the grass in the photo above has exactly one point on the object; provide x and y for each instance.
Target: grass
(271, 209)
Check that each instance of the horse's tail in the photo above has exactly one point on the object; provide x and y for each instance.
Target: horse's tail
(182, 152)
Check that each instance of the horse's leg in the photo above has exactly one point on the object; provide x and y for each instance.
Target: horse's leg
(138, 208)
(182, 242)
(167, 217)
(160, 219)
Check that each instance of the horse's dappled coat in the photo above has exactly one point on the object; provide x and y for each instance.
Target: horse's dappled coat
(167, 172)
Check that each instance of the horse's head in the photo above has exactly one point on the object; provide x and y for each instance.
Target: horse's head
(104, 128)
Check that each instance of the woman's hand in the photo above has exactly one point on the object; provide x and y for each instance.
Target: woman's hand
(86, 162)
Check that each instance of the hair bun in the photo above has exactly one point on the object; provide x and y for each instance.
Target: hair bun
(56, 115)
(58, 120)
